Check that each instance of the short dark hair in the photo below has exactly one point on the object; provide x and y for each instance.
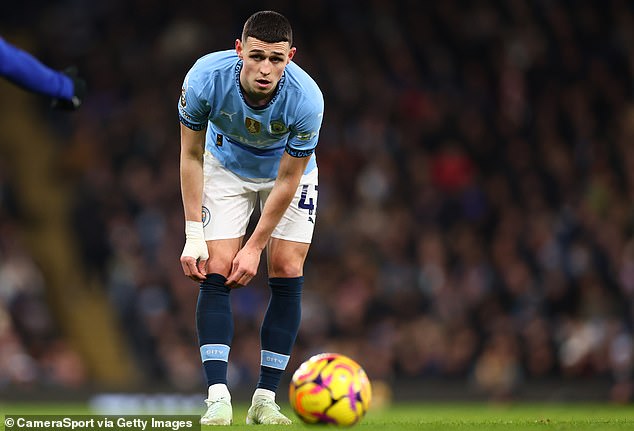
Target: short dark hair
(268, 26)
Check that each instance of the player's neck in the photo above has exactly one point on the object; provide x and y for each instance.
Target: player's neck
(256, 102)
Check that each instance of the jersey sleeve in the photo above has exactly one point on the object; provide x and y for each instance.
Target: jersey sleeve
(23, 69)
(193, 106)
(305, 133)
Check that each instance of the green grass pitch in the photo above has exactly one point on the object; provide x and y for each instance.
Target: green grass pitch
(428, 416)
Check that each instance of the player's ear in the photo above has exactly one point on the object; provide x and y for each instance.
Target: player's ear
(291, 53)
(239, 48)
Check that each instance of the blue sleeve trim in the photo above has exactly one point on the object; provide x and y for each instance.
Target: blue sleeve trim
(299, 153)
(189, 125)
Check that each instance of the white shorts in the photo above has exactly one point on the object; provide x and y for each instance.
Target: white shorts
(229, 201)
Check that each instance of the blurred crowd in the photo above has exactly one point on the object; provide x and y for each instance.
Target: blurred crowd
(475, 214)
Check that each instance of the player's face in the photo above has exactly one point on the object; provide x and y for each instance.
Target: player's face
(263, 65)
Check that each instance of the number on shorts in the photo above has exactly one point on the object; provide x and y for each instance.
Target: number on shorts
(310, 205)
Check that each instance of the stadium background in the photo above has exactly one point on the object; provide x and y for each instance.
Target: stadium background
(475, 225)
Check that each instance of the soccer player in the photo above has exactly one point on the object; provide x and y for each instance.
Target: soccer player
(65, 88)
(250, 121)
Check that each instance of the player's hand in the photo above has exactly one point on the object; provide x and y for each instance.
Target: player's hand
(195, 253)
(79, 92)
(244, 267)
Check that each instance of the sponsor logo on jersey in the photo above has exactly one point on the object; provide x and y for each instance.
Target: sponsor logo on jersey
(277, 127)
(253, 126)
(306, 136)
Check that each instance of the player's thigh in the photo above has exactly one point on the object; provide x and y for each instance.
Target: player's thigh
(286, 258)
(221, 255)
(228, 202)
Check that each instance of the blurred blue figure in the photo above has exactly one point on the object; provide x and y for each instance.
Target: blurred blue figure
(66, 88)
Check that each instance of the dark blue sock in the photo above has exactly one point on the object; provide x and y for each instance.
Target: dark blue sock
(214, 324)
(279, 329)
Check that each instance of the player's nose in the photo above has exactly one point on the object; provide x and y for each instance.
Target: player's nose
(265, 67)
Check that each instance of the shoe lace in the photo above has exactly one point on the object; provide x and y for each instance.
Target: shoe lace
(270, 404)
(215, 403)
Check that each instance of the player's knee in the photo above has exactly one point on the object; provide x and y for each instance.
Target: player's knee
(286, 268)
(221, 255)
(219, 265)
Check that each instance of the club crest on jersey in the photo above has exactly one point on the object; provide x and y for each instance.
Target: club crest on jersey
(253, 126)
(277, 127)
(183, 99)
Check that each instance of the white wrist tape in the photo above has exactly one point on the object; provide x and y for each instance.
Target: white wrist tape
(195, 245)
(194, 230)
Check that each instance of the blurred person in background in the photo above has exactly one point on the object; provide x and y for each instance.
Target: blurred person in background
(66, 89)
(250, 121)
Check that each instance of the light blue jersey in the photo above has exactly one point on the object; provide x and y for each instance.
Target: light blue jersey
(250, 141)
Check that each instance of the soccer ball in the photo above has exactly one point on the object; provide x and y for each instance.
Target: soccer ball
(330, 388)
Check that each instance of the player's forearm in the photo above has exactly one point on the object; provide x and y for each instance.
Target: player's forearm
(191, 188)
(276, 205)
(288, 177)
(191, 172)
